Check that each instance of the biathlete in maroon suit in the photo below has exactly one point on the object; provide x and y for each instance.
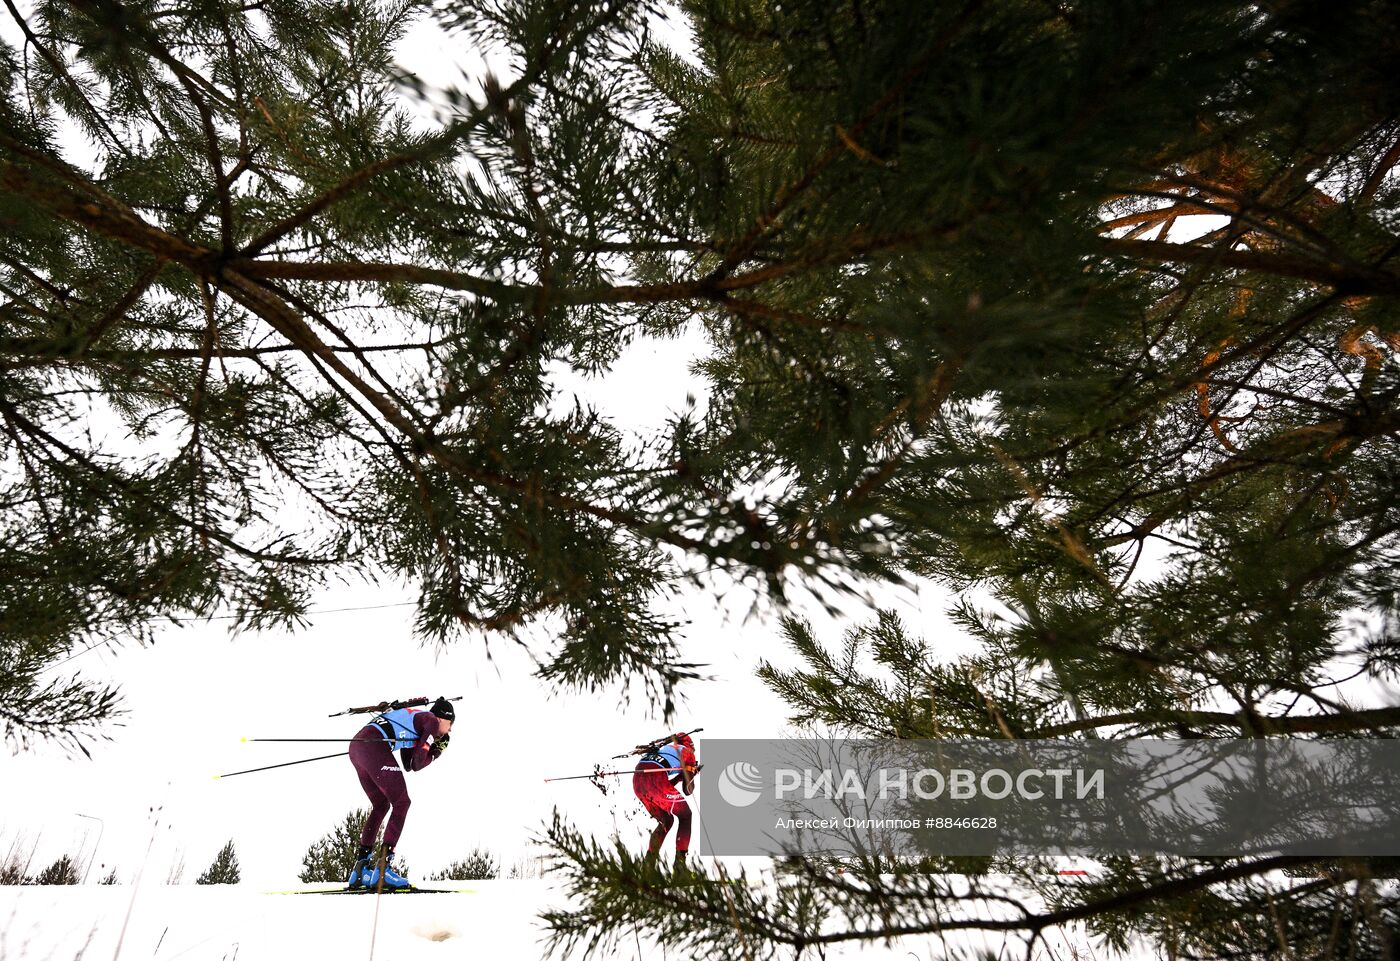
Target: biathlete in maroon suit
(420, 737)
(654, 782)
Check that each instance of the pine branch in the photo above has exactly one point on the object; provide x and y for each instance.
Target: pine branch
(92, 114)
(1349, 281)
(1374, 720)
(39, 353)
(103, 479)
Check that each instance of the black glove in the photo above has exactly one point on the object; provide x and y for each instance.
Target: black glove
(439, 745)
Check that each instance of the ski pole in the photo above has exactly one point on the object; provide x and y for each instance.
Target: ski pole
(650, 770)
(642, 748)
(308, 760)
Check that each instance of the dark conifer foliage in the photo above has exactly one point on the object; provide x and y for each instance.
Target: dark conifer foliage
(331, 857)
(959, 321)
(260, 330)
(62, 871)
(479, 865)
(224, 870)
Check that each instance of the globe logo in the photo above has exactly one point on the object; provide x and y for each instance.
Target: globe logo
(740, 784)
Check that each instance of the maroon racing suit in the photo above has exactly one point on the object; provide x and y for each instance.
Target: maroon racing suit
(383, 779)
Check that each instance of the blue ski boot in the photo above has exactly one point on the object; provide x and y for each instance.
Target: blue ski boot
(392, 880)
(359, 876)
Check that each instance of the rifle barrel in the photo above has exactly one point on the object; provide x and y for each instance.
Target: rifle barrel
(655, 770)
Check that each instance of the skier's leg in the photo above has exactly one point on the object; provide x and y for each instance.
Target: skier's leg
(658, 836)
(389, 795)
(682, 812)
(393, 784)
(649, 786)
(378, 807)
(396, 788)
(368, 757)
(663, 802)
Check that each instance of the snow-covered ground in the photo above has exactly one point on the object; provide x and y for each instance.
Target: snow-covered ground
(489, 921)
(496, 919)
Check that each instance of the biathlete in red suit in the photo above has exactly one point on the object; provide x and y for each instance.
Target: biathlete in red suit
(420, 737)
(654, 782)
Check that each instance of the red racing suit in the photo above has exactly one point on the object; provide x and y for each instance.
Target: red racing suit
(654, 783)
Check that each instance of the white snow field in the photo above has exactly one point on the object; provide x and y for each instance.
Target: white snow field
(495, 920)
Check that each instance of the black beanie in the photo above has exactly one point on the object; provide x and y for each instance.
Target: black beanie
(442, 708)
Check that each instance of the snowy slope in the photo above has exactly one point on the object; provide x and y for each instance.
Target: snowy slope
(221, 923)
(497, 920)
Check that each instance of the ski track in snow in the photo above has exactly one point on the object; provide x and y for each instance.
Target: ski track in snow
(498, 921)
